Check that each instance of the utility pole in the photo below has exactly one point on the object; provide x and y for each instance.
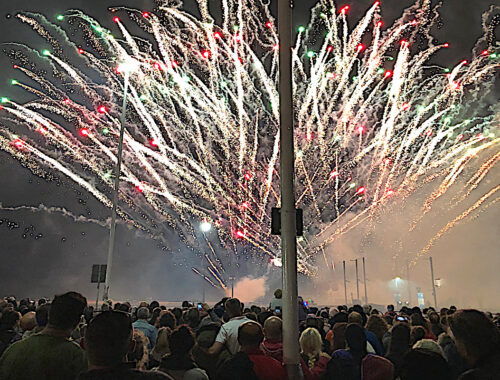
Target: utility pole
(345, 283)
(288, 212)
(357, 280)
(433, 284)
(364, 281)
(410, 301)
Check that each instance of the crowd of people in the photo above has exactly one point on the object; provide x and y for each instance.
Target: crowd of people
(65, 338)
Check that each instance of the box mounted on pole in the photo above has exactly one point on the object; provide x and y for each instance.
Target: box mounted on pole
(276, 221)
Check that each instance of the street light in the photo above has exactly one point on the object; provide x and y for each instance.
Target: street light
(126, 68)
(205, 226)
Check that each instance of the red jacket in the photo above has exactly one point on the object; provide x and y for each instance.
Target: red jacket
(273, 349)
(265, 367)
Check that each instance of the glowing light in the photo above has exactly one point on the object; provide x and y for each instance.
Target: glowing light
(494, 56)
(446, 45)
(84, 132)
(300, 154)
(102, 109)
(19, 144)
(301, 29)
(269, 24)
(446, 70)
(380, 24)
(344, 9)
(310, 54)
(248, 176)
(116, 19)
(4, 100)
(388, 74)
(387, 161)
(360, 190)
(329, 49)
(14, 82)
(361, 129)
(174, 64)
(80, 50)
(485, 52)
(309, 136)
(464, 62)
(245, 205)
(276, 262)
(60, 17)
(157, 66)
(389, 192)
(140, 188)
(206, 54)
(276, 47)
(238, 37)
(105, 131)
(334, 174)
(429, 132)
(143, 97)
(216, 35)
(46, 52)
(380, 71)
(414, 22)
(153, 142)
(360, 48)
(205, 226)
(330, 75)
(405, 43)
(67, 101)
(405, 106)
(15, 66)
(146, 14)
(240, 234)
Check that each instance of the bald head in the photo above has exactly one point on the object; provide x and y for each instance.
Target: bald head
(273, 328)
(250, 335)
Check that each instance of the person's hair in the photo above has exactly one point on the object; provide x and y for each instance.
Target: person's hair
(66, 310)
(310, 342)
(356, 342)
(124, 307)
(338, 331)
(108, 338)
(434, 318)
(263, 316)
(474, 332)
(251, 315)
(154, 304)
(416, 319)
(192, 317)
(177, 312)
(355, 317)
(250, 334)
(417, 333)
(233, 307)
(28, 321)
(138, 352)
(42, 315)
(400, 339)
(273, 328)
(181, 341)
(167, 319)
(278, 293)
(377, 325)
(162, 346)
(143, 313)
(9, 319)
(430, 345)
(421, 364)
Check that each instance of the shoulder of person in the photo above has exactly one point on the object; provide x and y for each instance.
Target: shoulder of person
(195, 374)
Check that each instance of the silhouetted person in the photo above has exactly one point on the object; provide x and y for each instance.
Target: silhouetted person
(107, 340)
(420, 364)
(49, 354)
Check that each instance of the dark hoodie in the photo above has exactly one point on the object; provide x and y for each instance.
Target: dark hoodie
(240, 367)
(457, 364)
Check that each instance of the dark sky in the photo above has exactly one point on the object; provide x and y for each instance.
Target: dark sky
(44, 253)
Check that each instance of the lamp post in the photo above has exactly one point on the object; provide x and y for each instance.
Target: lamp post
(126, 68)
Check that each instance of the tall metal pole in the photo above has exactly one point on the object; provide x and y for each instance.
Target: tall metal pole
(410, 301)
(112, 229)
(433, 284)
(345, 283)
(357, 280)
(364, 281)
(288, 214)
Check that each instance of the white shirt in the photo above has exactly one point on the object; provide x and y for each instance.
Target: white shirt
(228, 333)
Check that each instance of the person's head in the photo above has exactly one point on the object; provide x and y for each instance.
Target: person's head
(143, 313)
(430, 345)
(263, 316)
(192, 317)
(421, 364)
(181, 341)
(162, 346)
(177, 312)
(124, 307)
(400, 339)
(416, 319)
(28, 321)
(42, 315)
(356, 339)
(153, 305)
(355, 317)
(66, 310)
(338, 331)
(434, 318)
(417, 333)
(278, 293)
(310, 342)
(108, 338)
(273, 328)
(377, 325)
(10, 319)
(476, 336)
(167, 319)
(250, 335)
(233, 307)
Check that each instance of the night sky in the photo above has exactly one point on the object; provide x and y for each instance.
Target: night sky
(43, 253)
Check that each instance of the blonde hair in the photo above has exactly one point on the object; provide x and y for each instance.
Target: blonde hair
(310, 342)
(162, 346)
